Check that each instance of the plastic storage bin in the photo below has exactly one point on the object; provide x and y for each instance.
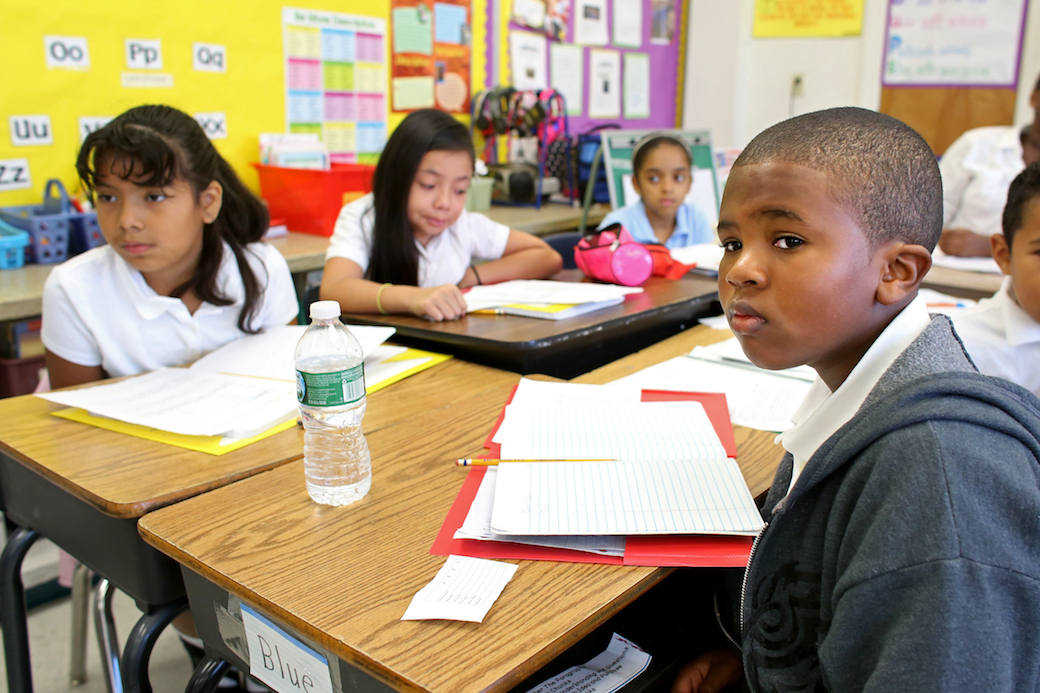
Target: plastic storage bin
(12, 246)
(52, 224)
(309, 200)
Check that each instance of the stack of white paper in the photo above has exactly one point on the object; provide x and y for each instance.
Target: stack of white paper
(757, 398)
(192, 403)
(673, 477)
(986, 265)
(543, 292)
(705, 256)
(270, 353)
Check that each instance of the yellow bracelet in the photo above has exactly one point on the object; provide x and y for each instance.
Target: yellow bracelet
(379, 295)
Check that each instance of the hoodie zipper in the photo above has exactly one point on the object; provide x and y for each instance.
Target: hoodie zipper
(747, 572)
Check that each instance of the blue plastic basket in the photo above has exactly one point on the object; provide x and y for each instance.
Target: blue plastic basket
(53, 225)
(13, 242)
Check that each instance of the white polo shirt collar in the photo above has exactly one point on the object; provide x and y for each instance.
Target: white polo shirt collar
(823, 412)
(1021, 329)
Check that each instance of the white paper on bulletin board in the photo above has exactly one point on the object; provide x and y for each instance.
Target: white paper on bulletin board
(567, 75)
(604, 84)
(637, 85)
(965, 44)
(335, 81)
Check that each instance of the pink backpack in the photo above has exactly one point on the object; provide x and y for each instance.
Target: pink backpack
(613, 256)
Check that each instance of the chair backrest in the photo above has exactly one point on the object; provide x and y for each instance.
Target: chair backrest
(564, 243)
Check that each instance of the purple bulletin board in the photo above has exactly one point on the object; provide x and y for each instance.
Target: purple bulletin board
(665, 68)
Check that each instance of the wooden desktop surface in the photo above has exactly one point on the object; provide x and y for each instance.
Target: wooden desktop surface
(342, 577)
(123, 476)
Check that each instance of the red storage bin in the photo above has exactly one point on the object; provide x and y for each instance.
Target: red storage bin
(310, 200)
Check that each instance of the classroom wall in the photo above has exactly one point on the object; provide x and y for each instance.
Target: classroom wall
(251, 93)
(737, 85)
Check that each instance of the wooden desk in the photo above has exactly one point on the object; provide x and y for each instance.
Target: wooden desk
(973, 285)
(563, 348)
(84, 488)
(340, 579)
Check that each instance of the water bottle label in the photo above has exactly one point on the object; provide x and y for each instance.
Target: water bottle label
(331, 389)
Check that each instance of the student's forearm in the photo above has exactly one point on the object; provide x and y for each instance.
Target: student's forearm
(530, 263)
(360, 296)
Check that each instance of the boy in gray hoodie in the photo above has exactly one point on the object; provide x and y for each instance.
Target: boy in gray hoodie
(902, 546)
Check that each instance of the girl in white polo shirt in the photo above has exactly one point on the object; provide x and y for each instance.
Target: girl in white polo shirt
(183, 272)
(410, 245)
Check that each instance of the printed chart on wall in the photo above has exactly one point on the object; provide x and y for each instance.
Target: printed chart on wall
(336, 81)
(972, 44)
(431, 55)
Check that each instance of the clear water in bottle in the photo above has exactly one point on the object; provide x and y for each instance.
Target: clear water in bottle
(331, 392)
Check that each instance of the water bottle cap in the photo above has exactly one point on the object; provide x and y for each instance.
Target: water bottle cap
(324, 310)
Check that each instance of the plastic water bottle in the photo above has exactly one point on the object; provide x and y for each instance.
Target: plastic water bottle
(330, 386)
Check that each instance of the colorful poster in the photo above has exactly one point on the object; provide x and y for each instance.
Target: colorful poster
(431, 55)
(336, 81)
(787, 18)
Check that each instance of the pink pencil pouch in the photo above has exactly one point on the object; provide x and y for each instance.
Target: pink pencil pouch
(611, 255)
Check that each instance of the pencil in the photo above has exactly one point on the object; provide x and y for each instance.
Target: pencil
(492, 463)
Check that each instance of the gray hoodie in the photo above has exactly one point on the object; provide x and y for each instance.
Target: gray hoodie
(907, 556)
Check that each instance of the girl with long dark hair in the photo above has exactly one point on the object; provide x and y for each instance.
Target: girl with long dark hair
(410, 245)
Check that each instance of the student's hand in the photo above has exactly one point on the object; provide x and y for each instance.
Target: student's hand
(438, 303)
(964, 243)
(710, 673)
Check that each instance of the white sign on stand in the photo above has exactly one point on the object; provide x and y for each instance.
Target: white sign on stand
(280, 660)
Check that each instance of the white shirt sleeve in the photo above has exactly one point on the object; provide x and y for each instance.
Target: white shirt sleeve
(64, 332)
(352, 235)
(955, 176)
(486, 238)
(278, 302)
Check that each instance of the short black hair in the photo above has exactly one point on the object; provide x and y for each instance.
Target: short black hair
(1024, 189)
(882, 171)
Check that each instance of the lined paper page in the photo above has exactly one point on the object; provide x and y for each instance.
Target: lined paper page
(478, 526)
(464, 589)
(536, 393)
(703, 496)
(634, 430)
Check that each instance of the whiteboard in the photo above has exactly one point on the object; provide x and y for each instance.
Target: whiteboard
(953, 43)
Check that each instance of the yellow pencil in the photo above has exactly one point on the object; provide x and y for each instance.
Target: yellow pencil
(492, 463)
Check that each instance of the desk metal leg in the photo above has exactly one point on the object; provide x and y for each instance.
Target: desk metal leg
(13, 619)
(81, 578)
(142, 639)
(108, 643)
(207, 675)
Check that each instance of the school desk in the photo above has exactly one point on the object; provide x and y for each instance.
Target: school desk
(339, 579)
(563, 348)
(84, 488)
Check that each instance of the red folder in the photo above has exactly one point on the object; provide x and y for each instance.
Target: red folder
(686, 550)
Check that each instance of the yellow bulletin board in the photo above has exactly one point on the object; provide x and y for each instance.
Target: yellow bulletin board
(250, 93)
(801, 18)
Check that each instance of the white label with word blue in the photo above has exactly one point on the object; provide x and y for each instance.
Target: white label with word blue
(14, 174)
(88, 124)
(144, 54)
(209, 57)
(66, 52)
(280, 660)
(215, 125)
(31, 130)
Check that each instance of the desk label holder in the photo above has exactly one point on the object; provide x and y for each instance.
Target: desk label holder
(280, 660)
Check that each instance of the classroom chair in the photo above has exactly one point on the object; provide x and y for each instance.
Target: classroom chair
(564, 243)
